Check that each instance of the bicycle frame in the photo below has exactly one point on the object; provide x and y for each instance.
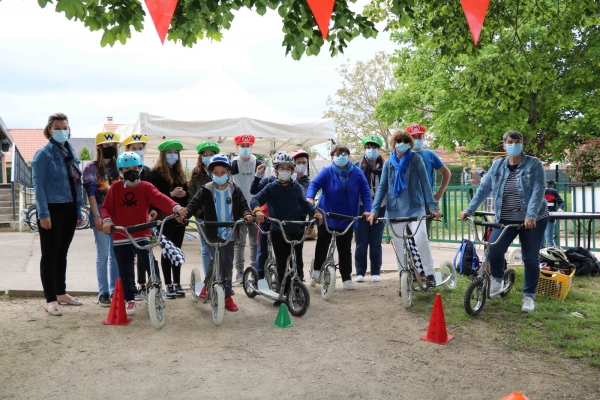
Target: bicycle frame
(270, 257)
(330, 260)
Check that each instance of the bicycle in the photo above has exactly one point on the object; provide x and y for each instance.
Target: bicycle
(155, 295)
(479, 290)
(297, 297)
(327, 275)
(409, 274)
(29, 218)
(216, 289)
(270, 268)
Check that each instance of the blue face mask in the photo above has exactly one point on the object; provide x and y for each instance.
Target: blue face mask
(60, 136)
(172, 158)
(402, 147)
(220, 180)
(418, 144)
(514, 149)
(340, 161)
(206, 160)
(372, 153)
(245, 151)
(139, 153)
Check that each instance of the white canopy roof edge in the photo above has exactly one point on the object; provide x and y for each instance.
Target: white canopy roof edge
(218, 109)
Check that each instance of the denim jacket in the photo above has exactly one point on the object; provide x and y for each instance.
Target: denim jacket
(50, 180)
(418, 187)
(531, 185)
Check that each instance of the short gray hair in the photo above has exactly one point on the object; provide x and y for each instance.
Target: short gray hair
(516, 135)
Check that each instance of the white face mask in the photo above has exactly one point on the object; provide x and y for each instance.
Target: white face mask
(301, 168)
(284, 176)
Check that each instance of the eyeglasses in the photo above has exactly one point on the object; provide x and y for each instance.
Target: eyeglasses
(340, 154)
(407, 141)
(284, 169)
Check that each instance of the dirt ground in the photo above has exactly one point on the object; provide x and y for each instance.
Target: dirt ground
(361, 344)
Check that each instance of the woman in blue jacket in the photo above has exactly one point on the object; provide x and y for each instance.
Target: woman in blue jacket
(405, 186)
(517, 184)
(342, 186)
(57, 186)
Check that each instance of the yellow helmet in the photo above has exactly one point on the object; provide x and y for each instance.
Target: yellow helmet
(135, 138)
(107, 137)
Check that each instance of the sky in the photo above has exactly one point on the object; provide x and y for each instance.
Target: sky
(50, 64)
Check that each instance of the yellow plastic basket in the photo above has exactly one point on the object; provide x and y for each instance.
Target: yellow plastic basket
(554, 285)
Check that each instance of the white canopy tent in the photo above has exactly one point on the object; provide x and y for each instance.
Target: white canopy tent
(218, 109)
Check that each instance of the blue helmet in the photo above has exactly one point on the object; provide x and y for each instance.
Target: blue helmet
(129, 159)
(219, 159)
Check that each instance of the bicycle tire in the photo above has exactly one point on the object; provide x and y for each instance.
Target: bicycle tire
(250, 282)
(85, 219)
(217, 299)
(475, 293)
(31, 218)
(272, 276)
(195, 277)
(406, 288)
(156, 308)
(328, 283)
(448, 271)
(509, 281)
(298, 298)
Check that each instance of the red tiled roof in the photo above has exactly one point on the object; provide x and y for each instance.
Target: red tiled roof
(110, 127)
(28, 141)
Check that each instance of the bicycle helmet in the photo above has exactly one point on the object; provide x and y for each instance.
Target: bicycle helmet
(219, 159)
(299, 153)
(376, 140)
(553, 255)
(283, 158)
(129, 159)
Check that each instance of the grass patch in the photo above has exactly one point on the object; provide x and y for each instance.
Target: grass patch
(73, 325)
(551, 329)
(6, 297)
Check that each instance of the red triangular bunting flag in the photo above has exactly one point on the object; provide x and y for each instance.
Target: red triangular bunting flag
(475, 11)
(322, 10)
(161, 12)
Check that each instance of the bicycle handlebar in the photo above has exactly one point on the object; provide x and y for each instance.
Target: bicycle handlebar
(128, 230)
(216, 224)
(504, 228)
(343, 217)
(141, 227)
(401, 219)
(405, 219)
(488, 224)
(283, 233)
(337, 216)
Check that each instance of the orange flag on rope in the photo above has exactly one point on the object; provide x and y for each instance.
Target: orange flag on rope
(475, 11)
(161, 12)
(322, 10)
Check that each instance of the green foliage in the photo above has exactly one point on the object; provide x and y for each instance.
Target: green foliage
(84, 154)
(353, 108)
(536, 69)
(585, 162)
(200, 19)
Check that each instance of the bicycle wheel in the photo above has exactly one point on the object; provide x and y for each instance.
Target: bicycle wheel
(31, 218)
(272, 276)
(195, 278)
(449, 275)
(475, 296)
(156, 308)
(514, 256)
(406, 288)
(85, 219)
(328, 283)
(250, 282)
(217, 302)
(298, 298)
(509, 281)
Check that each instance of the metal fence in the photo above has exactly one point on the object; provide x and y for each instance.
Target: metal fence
(19, 174)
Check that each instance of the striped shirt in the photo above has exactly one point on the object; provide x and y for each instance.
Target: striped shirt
(511, 203)
(224, 207)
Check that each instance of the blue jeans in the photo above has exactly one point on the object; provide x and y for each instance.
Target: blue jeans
(530, 246)
(549, 235)
(262, 252)
(205, 255)
(368, 238)
(107, 269)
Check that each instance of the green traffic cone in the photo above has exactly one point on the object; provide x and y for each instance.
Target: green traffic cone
(283, 318)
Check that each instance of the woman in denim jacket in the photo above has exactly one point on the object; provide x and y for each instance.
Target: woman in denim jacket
(57, 186)
(517, 184)
(405, 186)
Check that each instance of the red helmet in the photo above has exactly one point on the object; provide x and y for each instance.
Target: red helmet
(299, 153)
(245, 138)
(415, 129)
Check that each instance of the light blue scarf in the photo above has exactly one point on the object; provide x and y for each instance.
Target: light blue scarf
(401, 164)
(344, 173)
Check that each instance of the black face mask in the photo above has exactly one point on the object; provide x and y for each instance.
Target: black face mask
(131, 175)
(109, 152)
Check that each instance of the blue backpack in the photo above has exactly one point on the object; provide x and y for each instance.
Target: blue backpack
(468, 261)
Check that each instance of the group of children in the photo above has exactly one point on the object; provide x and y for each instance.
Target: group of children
(218, 198)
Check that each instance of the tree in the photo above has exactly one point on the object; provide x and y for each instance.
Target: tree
(200, 19)
(353, 108)
(84, 154)
(536, 69)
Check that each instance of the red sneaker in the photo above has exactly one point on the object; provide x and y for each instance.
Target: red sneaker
(203, 292)
(230, 305)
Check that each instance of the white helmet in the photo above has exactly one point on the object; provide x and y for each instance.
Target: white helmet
(283, 157)
(553, 255)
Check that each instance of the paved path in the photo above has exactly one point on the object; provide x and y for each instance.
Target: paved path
(20, 257)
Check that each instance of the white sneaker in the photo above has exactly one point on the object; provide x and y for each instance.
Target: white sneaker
(375, 278)
(496, 288)
(314, 277)
(130, 308)
(528, 305)
(359, 278)
(349, 285)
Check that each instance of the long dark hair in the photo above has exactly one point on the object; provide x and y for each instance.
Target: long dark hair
(198, 170)
(100, 160)
(175, 175)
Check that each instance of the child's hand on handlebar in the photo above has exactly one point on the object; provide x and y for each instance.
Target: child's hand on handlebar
(319, 218)
(250, 217)
(106, 227)
(182, 211)
(260, 217)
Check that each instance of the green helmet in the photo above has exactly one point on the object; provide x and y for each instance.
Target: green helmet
(376, 140)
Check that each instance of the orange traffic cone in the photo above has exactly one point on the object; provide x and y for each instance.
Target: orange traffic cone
(437, 324)
(117, 314)
(515, 396)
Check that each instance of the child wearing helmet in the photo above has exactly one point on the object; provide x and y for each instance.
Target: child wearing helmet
(280, 196)
(136, 142)
(200, 177)
(127, 203)
(97, 178)
(222, 201)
